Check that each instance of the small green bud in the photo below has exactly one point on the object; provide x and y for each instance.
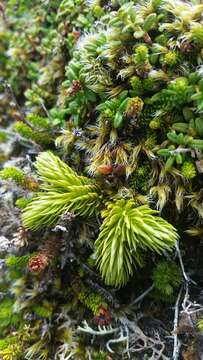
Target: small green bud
(141, 54)
(108, 113)
(179, 84)
(134, 106)
(188, 170)
(170, 58)
(155, 124)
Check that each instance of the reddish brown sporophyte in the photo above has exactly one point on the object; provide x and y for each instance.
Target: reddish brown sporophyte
(105, 169)
(75, 87)
(76, 34)
(31, 184)
(103, 317)
(185, 47)
(38, 263)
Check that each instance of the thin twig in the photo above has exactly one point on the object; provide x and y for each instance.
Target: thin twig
(11, 94)
(23, 140)
(177, 344)
(187, 279)
(45, 109)
(142, 296)
(105, 293)
(141, 343)
(2, 13)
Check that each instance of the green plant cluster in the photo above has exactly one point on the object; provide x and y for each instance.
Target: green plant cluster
(91, 300)
(166, 278)
(104, 100)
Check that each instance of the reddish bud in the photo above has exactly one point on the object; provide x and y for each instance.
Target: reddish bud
(38, 263)
(76, 34)
(105, 169)
(103, 318)
(75, 87)
(31, 184)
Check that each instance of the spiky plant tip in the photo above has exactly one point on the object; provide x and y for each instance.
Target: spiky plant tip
(128, 231)
(64, 191)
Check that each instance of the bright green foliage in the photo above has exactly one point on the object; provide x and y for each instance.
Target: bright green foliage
(28, 133)
(177, 93)
(115, 90)
(200, 324)
(99, 356)
(188, 170)
(64, 191)
(170, 58)
(4, 343)
(38, 122)
(12, 173)
(22, 202)
(17, 262)
(141, 55)
(11, 348)
(167, 277)
(126, 232)
(91, 300)
(114, 110)
(139, 180)
(3, 137)
(137, 85)
(24, 130)
(44, 311)
(12, 352)
(7, 316)
(196, 34)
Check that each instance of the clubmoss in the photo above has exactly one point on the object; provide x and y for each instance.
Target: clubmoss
(103, 102)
